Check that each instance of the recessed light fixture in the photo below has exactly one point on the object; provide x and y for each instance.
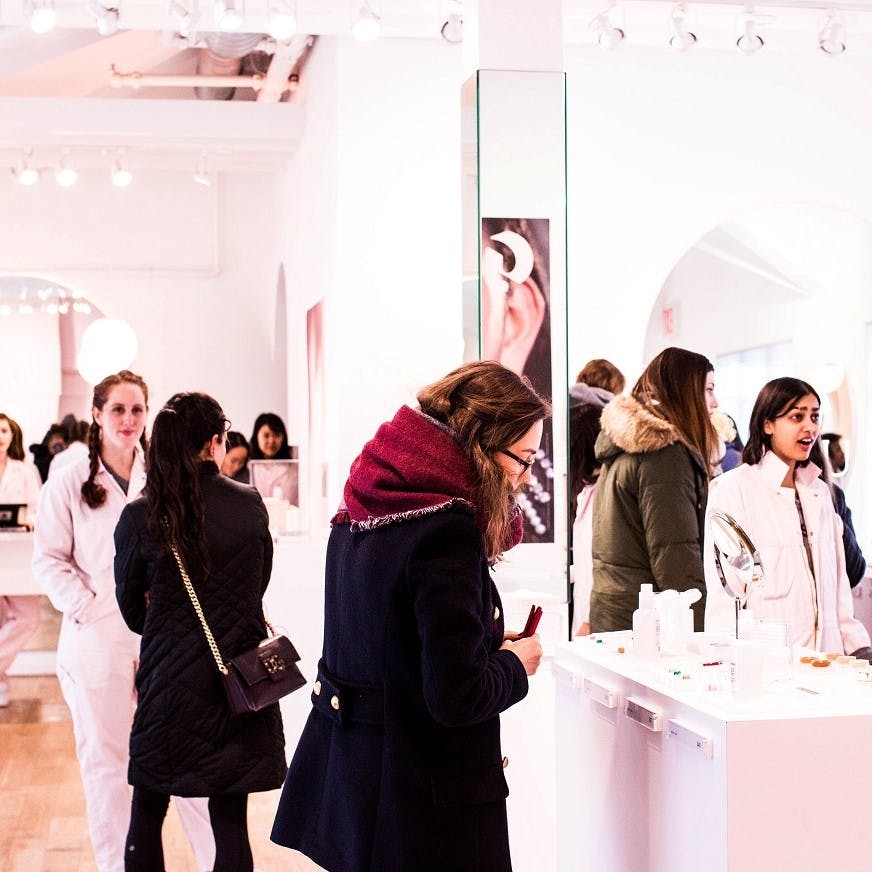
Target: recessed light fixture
(831, 38)
(608, 35)
(121, 175)
(107, 17)
(452, 30)
(26, 174)
(681, 38)
(229, 15)
(184, 18)
(367, 25)
(65, 175)
(282, 20)
(41, 14)
(750, 41)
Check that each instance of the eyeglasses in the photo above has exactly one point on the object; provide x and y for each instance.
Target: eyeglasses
(525, 463)
(227, 425)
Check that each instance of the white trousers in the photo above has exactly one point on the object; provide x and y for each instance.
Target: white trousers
(96, 666)
(20, 622)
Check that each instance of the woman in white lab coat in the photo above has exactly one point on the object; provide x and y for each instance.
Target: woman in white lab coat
(19, 483)
(777, 497)
(97, 654)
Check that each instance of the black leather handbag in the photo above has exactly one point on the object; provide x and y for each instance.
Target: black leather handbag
(258, 677)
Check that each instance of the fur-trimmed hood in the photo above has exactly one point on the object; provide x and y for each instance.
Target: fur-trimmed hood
(628, 426)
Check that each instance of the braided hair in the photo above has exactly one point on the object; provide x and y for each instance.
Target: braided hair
(94, 494)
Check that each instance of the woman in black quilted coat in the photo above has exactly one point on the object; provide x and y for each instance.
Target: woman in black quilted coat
(184, 741)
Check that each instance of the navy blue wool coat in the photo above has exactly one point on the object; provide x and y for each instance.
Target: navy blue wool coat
(184, 741)
(399, 767)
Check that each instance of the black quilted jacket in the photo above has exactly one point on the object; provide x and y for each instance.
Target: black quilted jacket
(184, 741)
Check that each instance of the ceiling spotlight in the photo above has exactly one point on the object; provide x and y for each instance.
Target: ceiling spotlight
(26, 174)
(107, 18)
(65, 175)
(42, 15)
(184, 18)
(202, 176)
(608, 36)
(452, 30)
(229, 15)
(367, 25)
(121, 176)
(282, 20)
(750, 41)
(681, 39)
(831, 37)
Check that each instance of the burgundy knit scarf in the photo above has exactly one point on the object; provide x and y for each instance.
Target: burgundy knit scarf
(413, 466)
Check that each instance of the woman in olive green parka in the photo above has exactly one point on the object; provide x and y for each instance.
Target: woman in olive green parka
(649, 509)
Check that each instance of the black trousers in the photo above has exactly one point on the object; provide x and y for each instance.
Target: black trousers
(228, 814)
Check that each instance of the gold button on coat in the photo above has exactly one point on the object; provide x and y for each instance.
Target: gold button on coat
(496, 613)
(334, 701)
(316, 688)
(505, 762)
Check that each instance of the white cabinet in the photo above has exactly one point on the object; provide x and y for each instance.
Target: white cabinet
(655, 777)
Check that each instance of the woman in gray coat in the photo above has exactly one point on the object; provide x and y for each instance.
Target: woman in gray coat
(656, 448)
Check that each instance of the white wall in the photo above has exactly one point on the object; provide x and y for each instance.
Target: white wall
(192, 269)
(373, 226)
(664, 147)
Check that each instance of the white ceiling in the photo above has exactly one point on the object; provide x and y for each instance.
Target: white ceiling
(44, 77)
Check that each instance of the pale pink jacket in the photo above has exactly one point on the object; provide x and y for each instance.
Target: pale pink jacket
(753, 496)
(74, 546)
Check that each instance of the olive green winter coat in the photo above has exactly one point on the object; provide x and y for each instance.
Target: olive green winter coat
(648, 514)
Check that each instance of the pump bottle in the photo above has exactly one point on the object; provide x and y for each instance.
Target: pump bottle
(646, 626)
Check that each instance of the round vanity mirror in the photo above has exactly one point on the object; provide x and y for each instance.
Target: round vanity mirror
(733, 546)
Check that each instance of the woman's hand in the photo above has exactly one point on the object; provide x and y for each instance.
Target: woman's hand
(528, 651)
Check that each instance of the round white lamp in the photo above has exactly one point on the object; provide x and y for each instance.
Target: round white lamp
(108, 345)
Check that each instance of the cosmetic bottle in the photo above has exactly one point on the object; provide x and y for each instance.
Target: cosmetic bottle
(646, 626)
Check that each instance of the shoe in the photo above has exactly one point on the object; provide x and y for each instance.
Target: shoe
(4, 694)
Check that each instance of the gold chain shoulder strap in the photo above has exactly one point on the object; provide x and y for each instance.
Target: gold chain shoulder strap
(199, 610)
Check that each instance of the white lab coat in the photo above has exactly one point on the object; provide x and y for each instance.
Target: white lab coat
(73, 557)
(753, 496)
(20, 484)
(20, 614)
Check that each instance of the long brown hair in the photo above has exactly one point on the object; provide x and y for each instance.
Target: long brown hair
(175, 511)
(488, 407)
(672, 387)
(16, 446)
(92, 493)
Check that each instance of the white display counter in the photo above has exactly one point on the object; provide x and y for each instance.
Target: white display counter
(16, 550)
(658, 774)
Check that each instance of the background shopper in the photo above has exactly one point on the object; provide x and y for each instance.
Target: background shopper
(269, 438)
(19, 483)
(184, 740)
(97, 655)
(655, 448)
(779, 500)
(399, 766)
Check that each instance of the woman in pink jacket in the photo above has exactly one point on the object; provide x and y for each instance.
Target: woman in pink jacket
(97, 655)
